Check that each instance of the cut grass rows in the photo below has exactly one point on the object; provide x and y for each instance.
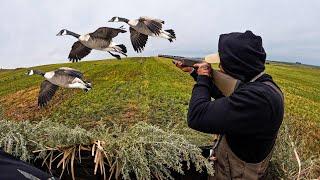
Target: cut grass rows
(155, 91)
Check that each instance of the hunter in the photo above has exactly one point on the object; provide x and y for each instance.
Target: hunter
(249, 119)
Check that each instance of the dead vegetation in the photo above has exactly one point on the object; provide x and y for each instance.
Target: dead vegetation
(139, 152)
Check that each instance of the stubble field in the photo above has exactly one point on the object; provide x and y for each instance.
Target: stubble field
(151, 92)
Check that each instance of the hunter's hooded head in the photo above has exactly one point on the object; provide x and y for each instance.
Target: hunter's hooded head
(241, 55)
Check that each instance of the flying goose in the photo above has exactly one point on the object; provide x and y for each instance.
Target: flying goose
(62, 77)
(143, 27)
(101, 39)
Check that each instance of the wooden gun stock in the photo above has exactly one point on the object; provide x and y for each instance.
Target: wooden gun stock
(225, 83)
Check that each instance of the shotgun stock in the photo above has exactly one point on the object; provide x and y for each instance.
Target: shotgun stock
(225, 83)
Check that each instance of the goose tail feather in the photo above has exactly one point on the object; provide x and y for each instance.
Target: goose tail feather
(122, 48)
(172, 33)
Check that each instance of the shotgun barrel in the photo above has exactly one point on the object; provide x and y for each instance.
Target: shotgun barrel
(186, 61)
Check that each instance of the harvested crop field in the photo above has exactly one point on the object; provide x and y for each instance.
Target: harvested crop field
(149, 95)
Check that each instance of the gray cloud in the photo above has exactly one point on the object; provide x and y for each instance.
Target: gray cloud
(290, 29)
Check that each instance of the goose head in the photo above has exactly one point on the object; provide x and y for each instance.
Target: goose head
(114, 19)
(62, 32)
(30, 72)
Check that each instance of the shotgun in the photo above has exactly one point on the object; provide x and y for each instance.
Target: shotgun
(187, 62)
(225, 83)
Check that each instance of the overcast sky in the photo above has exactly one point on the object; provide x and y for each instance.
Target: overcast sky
(290, 29)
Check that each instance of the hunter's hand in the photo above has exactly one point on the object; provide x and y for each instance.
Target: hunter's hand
(203, 69)
(183, 68)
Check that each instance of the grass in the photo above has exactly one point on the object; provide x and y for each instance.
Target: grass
(153, 91)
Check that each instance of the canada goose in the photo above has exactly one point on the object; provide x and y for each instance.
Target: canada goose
(143, 27)
(101, 39)
(62, 77)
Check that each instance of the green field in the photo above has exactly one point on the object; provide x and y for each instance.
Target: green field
(154, 91)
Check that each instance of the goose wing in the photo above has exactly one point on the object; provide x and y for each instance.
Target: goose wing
(72, 72)
(153, 25)
(47, 91)
(138, 40)
(106, 33)
(78, 51)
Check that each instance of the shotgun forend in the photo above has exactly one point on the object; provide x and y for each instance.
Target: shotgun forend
(224, 82)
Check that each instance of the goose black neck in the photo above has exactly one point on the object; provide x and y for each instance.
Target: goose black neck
(38, 72)
(123, 20)
(72, 34)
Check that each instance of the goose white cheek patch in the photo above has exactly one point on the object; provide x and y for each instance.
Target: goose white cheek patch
(31, 73)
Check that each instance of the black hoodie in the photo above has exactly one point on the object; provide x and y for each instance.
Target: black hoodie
(250, 118)
(242, 55)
